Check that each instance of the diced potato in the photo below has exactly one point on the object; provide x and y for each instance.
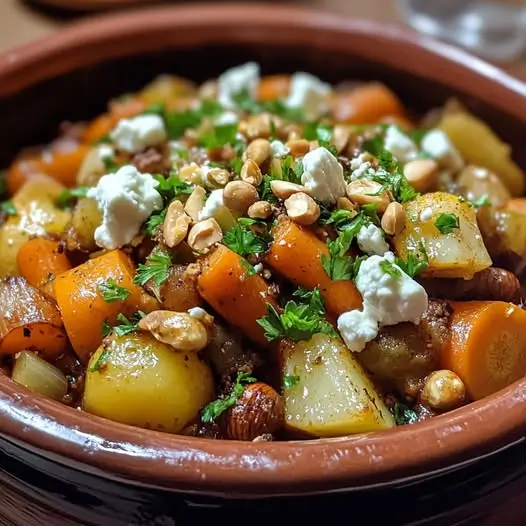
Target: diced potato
(457, 254)
(332, 395)
(140, 381)
(81, 231)
(92, 168)
(12, 237)
(479, 145)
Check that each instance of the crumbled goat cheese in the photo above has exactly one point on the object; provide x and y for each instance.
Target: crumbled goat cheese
(359, 167)
(135, 134)
(323, 176)
(309, 94)
(227, 117)
(258, 267)
(426, 214)
(125, 199)
(106, 152)
(198, 312)
(278, 149)
(387, 300)
(212, 205)
(371, 240)
(400, 145)
(237, 80)
(175, 148)
(436, 144)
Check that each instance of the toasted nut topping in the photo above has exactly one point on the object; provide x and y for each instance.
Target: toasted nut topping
(422, 174)
(258, 150)
(191, 173)
(204, 235)
(195, 203)
(259, 126)
(260, 210)
(239, 195)
(393, 219)
(178, 329)
(208, 90)
(340, 137)
(362, 192)
(293, 132)
(176, 223)
(314, 145)
(302, 209)
(298, 147)
(344, 204)
(217, 178)
(284, 189)
(443, 391)
(250, 173)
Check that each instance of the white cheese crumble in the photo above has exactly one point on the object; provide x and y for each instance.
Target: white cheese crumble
(436, 144)
(258, 267)
(237, 80)
(278, 149)
(400, 145)
(212, 205)
(226, 118)
(309, 94)
(371, 240)
(125, 199)
(175, 148)
(135, 134)
(198, 312)
(106, 152)
(387, 300)
(426, 214)
(323, 176)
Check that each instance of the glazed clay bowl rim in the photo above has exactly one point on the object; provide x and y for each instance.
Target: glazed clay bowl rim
(251, 469)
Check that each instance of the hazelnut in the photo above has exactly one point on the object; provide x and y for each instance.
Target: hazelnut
(284, 189)
(443, 390)
(302, 208)
(363, 192)
(260, 410)
(239, 195)
(176, 224)
(251, 173)
(258, 150)
(204, 235)
(393, 220)
(422, 174)
(260, 210)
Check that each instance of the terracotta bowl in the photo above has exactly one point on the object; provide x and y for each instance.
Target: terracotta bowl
(101, 472)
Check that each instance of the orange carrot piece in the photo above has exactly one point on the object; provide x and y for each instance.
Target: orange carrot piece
(366, 104)
(296, 254)
(29, 320)
(274, 87)
(40, 260)
(487, 347)
(81, 301)
(241, 299)
(517, 204)
(98, 128)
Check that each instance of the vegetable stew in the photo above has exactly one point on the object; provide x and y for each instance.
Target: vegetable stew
(264, 258)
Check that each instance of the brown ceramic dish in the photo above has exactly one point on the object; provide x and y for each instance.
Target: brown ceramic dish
(71, 75)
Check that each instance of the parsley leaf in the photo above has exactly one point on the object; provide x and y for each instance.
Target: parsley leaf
(289, 170)
(110, 165)
(390, 269)
(417, 261)
(112, 292)
(446, 223)
(244, 240)
(337, 265)
(106, 328)
(177, 122)
(265, 190)
(156, 268)
(101, 360)
(403, 414)
(219, 135)
(249, 268)
(483, 200)
(68, 194)
(172, 187)
(154, 222)
(290, 380)
(127, 325)
(338, 218)
(7, 207)
(216, 408)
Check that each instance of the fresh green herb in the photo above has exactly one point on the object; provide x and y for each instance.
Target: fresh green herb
(290, 380)
(273, 130)
(155, 109)
(403, 415)
(219, 135)
(417, 135)
(299, 321)
(483, 200)
(390, 269)
(446, 223)
(316, 131)
(102, 360)
(110, 164)
(154, 222)
(156, 268)
(235, 165)
(338, 265)
(127, 325)
(374, 146)
(106, 328)
(112, 292)
(245, 238)
(290, 170)
(249, 268)
(417, 261)
(245, 102)
(369, 210)
(265, 191)
(7, 207)
(313, 298)
(105, 139)
(172, 187)
(67, 195)
(177, 122)
(216, 408)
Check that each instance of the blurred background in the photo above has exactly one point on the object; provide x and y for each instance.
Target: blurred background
(493, 29)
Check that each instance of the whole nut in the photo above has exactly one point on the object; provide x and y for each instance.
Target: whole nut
(284, 189)
(204, 235)
(195, 203)
(393, 220)
(176, 224)
(251, 173)
(298, 147)
(302, 209)
(259, 125)
(422, 174)
(259, 410)
(443, 390)
(239, 195)
(178, 329)
(260, 210)
(191, 173)
(217, 178)
(258, 150)
(340, 137)
(363, 192)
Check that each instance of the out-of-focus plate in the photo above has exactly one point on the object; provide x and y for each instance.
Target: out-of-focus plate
(92, 4)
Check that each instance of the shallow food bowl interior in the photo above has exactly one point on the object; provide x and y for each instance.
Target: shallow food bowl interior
(73, 74)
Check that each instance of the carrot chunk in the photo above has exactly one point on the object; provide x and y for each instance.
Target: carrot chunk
(274, 87)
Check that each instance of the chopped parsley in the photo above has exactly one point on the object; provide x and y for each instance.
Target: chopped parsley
(155, 221)
(393, 179)
(417, 261)
(245, 102)
(298, 321)
(316, 131)
(156, 268)
(106, 328)
(112, 292)
(246, 238)
(338, 218)
(483, 200)
(249, 268)
(110, 165)
(7, 207)
(172, 187)
(290, 380)
(265, 191)
(127, 325)
(390, 269)
(216, 408)
(403, 414)
(291, 170)
(67, 195)
(101, 360)
(446, 223)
